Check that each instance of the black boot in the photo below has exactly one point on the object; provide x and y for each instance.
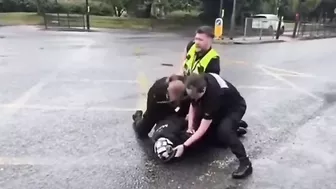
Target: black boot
(245, 169)
(243, 124)
(137, 115)
(241, 131)
(137, 118)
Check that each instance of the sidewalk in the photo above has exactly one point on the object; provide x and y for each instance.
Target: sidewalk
(253, 40)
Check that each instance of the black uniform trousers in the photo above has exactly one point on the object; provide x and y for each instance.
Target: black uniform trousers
(223, 129)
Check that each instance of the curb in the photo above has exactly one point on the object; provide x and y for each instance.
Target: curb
(314, 38)
(248, 42)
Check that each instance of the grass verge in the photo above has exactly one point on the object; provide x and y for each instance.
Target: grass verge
(171, 22)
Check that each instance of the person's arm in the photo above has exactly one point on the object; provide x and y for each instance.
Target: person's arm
(184, 55)
(213, 66)
(191, 116)
(204, 126)
(211, 106)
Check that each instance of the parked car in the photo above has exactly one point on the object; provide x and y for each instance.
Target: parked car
(267, 22)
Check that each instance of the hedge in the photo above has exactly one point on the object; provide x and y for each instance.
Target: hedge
(97, 8)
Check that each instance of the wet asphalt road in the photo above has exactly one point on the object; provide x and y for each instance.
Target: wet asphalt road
(66, 100)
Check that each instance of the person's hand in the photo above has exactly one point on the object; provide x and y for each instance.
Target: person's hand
(179, 150)
(190, 131)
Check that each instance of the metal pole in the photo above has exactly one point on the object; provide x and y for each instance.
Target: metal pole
(87, 14)
(233, 19)
(279, 26)
(220, 9)
(245, 28)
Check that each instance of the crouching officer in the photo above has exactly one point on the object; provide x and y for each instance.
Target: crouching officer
(215, 112)
(163, 99)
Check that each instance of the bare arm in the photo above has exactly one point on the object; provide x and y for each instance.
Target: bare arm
(191, 116)
(199, 133)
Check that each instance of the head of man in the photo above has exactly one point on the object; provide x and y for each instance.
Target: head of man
(163, 148)
(176, 88)
(203, 38)
(195, 86)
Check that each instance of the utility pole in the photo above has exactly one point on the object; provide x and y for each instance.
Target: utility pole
(87, 15)
(297, 18)
(233, 19)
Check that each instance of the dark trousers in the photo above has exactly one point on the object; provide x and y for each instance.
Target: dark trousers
(151, 117)
(223, 130)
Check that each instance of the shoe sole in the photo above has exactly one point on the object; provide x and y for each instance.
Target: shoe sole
(247, 173)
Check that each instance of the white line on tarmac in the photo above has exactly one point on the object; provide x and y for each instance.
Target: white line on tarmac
(23, 99)
(261, 87)
(288, 72)
(295, 87)
(97, 81)
(69, 108)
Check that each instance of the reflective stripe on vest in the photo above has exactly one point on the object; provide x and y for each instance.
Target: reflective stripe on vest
(199, 66)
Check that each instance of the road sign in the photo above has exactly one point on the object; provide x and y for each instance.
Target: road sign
(218, 28)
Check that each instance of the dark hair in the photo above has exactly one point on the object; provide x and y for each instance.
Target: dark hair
(207, 30)
(196, 81)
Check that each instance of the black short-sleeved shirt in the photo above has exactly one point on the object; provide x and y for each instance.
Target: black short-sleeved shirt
(213, 66)
(220, 96)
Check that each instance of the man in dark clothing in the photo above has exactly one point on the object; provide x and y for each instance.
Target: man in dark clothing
(164, 98)
(169, 133)
(199, 56)
(215, 112)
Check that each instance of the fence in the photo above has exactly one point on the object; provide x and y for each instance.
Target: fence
(262, 27)
(316, 29)
(65, 21)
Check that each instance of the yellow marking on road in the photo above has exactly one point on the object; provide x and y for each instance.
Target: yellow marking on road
(144, 85)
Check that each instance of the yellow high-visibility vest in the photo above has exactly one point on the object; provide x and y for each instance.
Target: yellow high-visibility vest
(199, 66)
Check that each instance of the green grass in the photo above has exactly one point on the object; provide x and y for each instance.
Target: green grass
(173, 21)
(20, 18)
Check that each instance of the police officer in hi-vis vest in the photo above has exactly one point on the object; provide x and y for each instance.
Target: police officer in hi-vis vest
(199, 56)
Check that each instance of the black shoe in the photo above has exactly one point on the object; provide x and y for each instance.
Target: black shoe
(245, 169)
(243, 124)
(137, 115)
(241, 131)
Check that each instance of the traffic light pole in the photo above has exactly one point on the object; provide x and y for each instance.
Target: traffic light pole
(233, 19)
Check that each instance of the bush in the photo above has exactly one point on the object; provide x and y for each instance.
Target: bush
(101, 9)
(18, 6)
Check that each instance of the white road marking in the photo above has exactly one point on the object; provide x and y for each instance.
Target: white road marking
(96, 81)
(261, 87)
(287, 72)
(295, 87)
(66, 108)
(23, 99)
